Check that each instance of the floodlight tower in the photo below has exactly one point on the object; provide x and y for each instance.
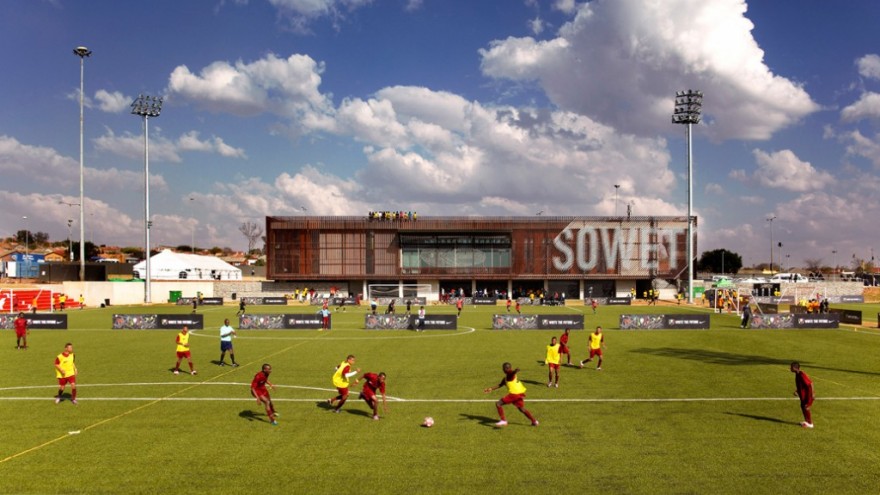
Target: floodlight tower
(688, 105)
(146, 107)
(771, 242)
(81, 52)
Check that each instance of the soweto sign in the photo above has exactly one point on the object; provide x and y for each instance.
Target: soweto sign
(639, 247)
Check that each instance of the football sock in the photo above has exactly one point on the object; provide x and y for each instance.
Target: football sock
(73, 394)
(501, 413)
(528, 414)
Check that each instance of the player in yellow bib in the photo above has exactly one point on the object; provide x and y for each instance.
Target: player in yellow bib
(340, 380)
(597, 343)
(516, 393)
(183, 351)
(552, 361)
(65, 371)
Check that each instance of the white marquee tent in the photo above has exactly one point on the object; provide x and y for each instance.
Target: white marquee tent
(169, 265)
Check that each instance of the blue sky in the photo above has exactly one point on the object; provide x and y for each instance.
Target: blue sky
(453, 107)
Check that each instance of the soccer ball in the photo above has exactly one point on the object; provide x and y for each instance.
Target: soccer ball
(429, 422)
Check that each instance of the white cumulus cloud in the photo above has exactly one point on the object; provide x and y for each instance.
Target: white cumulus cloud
(621, 61)
(784, 170)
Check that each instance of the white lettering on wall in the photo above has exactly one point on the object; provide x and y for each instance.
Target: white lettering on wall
(619, 247)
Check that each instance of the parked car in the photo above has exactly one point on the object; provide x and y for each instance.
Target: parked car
(789, 277)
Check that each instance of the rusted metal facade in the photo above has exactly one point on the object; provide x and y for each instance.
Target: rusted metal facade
(319, 248)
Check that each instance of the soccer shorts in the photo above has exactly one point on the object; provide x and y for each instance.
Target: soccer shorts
(553, 366)
(261, 394)
(595, 352)
(67, 379)
(563, 349)
(342, 391)
(225, 345)
(184, 354)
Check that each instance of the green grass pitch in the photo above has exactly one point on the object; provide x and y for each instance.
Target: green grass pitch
(671, 412)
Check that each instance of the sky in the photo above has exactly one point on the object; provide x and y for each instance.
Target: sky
(446, 107)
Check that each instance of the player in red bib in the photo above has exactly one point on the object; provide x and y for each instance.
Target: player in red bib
(21, 331)
(374, 383)
(259, 391)
(804, 391)
(563, 346)
(516, 393)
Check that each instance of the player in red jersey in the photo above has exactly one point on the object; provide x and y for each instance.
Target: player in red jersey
(21, 331)
(804, 391)
(518, 307)
(516, 393)
(259, 391)
(374, 383)
(563, 346)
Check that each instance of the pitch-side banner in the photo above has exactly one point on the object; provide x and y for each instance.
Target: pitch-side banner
(37, 321)
(279, 322)
(677, 321)
(265, 301)
(152, 321)
(537, 322)
(614, 301)
(403, 322)
(789, 320)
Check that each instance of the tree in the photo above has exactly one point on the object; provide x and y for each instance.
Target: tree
(720, 261)
(813, 264)
(91, 250)
(252, 231)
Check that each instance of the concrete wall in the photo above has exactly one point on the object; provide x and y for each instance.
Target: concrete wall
(133, 292)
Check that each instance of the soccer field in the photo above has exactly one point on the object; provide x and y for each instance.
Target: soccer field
(701, 411)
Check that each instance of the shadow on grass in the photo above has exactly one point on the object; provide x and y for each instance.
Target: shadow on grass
(534, 382)
(764, 418)
(734, 359)
(482, 420)
(712, 357)
(252, 416)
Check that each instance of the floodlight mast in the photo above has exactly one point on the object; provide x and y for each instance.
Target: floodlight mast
(81, 52)
(688, 105)
(146, 107)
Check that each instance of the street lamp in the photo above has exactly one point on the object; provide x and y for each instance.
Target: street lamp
(616, 189)
(688, 105)
(27, 256)
(771, 242)
(834, 257)
(192, 233)
(69, 242)
(146, 107)
(81, 52)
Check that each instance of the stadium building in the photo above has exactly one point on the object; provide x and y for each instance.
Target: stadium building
(402, 254)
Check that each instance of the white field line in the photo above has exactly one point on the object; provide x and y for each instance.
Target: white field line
(427, 334)
(448, 401)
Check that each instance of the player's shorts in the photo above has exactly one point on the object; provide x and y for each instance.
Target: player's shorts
(515, 399)
(553, 366)
(184, 354)
(563, 349)
(807, 402)
(225, 345)
(342, 391)
(368, 395)
(261, 394)
(595, 352)
(67, 379)
(20, 333)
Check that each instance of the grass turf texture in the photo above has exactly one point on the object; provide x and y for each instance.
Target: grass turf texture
(672, 411)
